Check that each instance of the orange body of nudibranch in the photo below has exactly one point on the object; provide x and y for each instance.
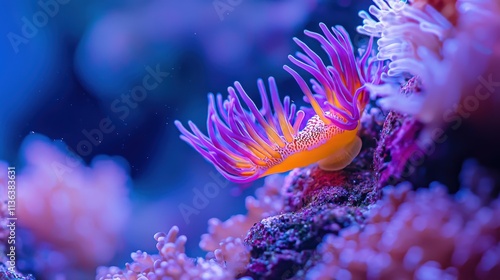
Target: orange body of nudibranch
(246, 144)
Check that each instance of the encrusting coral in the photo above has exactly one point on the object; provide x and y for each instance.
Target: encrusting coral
(398, 155)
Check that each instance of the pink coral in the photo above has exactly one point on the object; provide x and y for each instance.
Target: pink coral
(418, 235)
(79, 211)
(229, 260)
(228, 256)
(268, 203)
(6, 271)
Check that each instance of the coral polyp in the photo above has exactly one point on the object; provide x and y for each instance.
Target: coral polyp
(248, 143)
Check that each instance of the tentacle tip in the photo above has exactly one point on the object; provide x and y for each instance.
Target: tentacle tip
(308, 32)
(298, 41)
(179, 125)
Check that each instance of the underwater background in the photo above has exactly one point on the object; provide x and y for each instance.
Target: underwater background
(90, 90)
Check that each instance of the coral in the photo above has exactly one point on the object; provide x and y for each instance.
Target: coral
(268, 202)
(230, 259)
(70, 212)
(399, 153)
(228, 256)
(417, 235)
(248, 144)
(6, 274)
(233, 254)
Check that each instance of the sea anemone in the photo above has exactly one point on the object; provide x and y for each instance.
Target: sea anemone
(403, 29)
(450, 46)
(248, 144)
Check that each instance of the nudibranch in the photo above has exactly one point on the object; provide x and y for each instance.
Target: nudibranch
(245, 144)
